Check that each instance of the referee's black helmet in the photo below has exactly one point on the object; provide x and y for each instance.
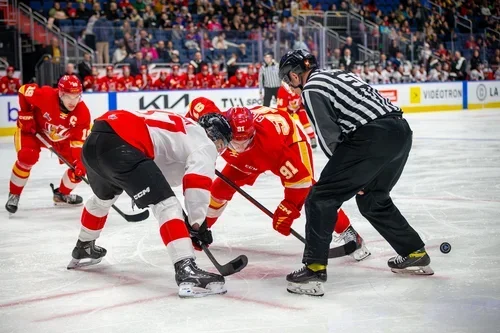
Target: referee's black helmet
(298, 62)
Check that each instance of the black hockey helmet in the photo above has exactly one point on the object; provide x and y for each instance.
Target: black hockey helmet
(298, 62)
(217, 127)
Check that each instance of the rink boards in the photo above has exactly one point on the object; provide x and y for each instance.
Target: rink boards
(421, 97)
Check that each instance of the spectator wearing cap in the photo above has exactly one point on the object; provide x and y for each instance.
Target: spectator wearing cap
(9, 85)
(269, 81)
(85, 67)
(197, 62)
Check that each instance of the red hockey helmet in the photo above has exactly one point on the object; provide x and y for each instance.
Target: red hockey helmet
(204, 68)
(10, 69)
(70, 84)
(70, 91)
(201, 106)
(241, 120)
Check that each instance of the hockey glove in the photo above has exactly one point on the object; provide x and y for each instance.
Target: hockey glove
(284, 216)
(26, 122)
(79, 168)
(201, 236)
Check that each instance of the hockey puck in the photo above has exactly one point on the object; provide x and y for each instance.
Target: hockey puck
(445, 247)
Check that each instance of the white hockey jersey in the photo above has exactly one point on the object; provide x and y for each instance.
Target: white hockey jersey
(179, 147)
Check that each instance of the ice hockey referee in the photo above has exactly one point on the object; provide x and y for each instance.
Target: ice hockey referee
(367, 141)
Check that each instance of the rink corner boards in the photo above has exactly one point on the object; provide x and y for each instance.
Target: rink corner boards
(411, 97)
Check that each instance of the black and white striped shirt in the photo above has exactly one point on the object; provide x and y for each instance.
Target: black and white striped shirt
(338, 103)
(269, 76)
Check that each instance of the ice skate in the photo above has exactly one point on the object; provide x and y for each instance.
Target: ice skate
(84, 251)
(195, 282)
(12, 203)
(416, 263)
(305, 281)
(314, 143)
(65, 200)
(361, 251)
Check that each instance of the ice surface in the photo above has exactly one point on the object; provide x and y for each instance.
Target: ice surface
(450, 191)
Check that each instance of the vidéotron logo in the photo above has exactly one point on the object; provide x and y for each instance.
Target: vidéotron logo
(481, 92)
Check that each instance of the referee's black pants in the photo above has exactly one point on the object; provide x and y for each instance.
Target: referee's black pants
(370, 159)
(268, 95)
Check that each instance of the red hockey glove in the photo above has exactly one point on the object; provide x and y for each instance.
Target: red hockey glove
(26, 122)
(284, 216)
(79, 168)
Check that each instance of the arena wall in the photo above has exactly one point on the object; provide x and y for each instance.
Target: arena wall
(417, 97)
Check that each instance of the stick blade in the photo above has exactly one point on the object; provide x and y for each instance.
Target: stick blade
(234, 266)
(136, 217)
(342, 250)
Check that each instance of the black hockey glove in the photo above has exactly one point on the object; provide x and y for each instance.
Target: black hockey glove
(201, 236)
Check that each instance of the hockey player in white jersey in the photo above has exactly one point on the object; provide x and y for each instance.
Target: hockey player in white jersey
(144, 154)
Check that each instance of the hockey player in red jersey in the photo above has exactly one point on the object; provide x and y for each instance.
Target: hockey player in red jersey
(127, 81)
(161, 83)
(63, 119)
(189, 80)
(265, 139)
(292, 103)
(144, 81)
(219, 78)
(146, 154)
(108, 83)
(252, 78)
(91, 82)
(9, 85)
(201, 106)
(175, 78)
(237, 81)
(204, 78)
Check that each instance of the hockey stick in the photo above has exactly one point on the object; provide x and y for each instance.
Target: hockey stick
(234, 266)
(130, 218)
(334, 252)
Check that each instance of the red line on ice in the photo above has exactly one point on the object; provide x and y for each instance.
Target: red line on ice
(114, 306)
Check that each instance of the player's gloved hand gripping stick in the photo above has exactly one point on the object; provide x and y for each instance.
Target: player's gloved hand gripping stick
(130, 218)
(334, 252)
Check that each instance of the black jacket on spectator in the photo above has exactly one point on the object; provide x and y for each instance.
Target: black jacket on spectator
(458, 68)
(475, 62)
(83, 14)
(197, 65)
(348, 63)
(354, 51)
(163, 55)
(84, 69)
(135, 65)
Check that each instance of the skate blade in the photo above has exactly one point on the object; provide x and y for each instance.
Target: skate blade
(314, 288)
(77, 263)
(65, 204)
(417, 270)
(189, 290)
(361, 253)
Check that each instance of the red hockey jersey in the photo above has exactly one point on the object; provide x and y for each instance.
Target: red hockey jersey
(64, 130)
(9, 85)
